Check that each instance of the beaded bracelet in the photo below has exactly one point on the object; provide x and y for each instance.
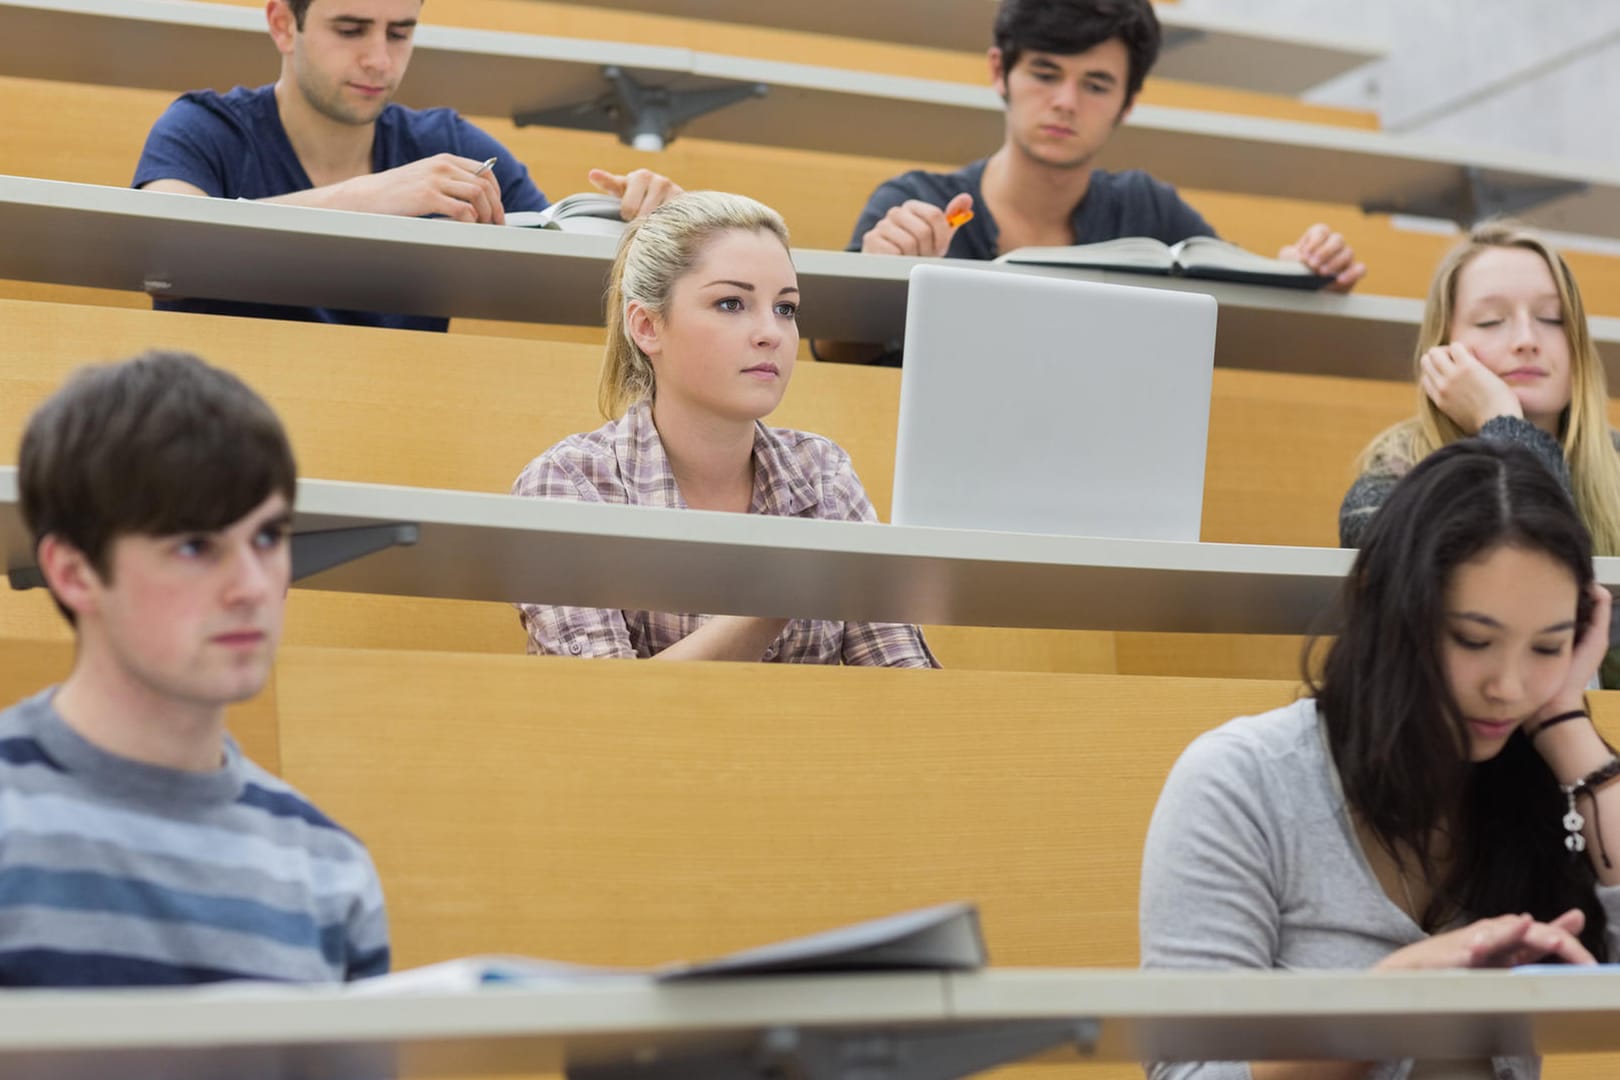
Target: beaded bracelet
(1587, 785)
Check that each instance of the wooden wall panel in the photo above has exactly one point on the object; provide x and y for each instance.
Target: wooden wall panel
(1282, 452)
(685, 810)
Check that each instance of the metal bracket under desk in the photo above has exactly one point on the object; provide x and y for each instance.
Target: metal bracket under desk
(312, 552)
(791, 1053)
(1475, 198)
(646, 117)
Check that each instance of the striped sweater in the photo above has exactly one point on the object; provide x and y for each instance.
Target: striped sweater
(118, 873)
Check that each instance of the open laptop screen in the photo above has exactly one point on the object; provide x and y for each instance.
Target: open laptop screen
(1040, 404)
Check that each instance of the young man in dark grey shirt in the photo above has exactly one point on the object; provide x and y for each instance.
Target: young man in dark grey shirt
(1069, 71)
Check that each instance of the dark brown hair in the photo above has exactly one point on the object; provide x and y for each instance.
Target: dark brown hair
(299, 8)
(1066, 27)
(156, 445)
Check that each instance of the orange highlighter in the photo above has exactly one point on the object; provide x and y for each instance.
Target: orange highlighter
(960, 218)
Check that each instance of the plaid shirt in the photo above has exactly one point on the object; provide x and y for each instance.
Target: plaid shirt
(795, 475)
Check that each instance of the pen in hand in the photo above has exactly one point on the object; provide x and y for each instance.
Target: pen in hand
(485, 167)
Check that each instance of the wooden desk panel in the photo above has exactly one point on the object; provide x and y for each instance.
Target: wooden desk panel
(660, 811)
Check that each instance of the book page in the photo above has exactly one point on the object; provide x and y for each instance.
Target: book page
(1127, 252)
(1199, 251)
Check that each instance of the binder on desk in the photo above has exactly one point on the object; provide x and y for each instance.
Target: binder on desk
(946, 937)
(942, 938)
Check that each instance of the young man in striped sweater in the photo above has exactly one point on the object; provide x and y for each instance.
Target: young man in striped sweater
(137, 845)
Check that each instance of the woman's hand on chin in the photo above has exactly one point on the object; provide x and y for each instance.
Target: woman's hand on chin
(1465, 389)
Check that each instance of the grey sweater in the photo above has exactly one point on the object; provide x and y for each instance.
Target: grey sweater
(1372, 487)
(1252, 861)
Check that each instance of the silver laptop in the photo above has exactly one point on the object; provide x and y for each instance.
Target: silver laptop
(1044, 405)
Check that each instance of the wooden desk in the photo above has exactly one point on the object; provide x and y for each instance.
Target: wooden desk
(476, 546)
(1112, 1015)
(182, 44)
(105, 237)
(1246, 54)
(500, 547)
(115, 238)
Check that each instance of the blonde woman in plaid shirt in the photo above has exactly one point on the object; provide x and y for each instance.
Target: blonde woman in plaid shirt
(702, 336)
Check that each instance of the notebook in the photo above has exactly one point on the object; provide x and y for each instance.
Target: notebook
(1044, 405)
(582, 212)
(1197, 256)
(946, 937)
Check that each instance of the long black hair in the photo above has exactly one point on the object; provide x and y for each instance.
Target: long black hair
(1398, 738)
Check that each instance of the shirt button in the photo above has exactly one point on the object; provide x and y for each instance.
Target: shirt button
(575, 647)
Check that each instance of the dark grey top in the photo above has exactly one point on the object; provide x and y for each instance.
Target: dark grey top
(1129, 203)
(1372, 487)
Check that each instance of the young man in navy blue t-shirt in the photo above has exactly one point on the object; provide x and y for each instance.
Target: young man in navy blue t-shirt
(1069, 71)
(327, 134)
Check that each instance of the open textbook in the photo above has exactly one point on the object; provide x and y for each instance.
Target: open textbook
(1195, 257)
(942, 938)
(583, 212)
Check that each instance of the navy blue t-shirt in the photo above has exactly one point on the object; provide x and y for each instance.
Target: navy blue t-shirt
(1129, 203)
(233, 146)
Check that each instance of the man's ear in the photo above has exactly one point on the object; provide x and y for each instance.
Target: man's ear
(68, 574)
(643, 327)
(283, 25)
(998, 75)
(1125, 113)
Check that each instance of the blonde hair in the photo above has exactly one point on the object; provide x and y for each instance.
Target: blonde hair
(656, 252)
(1594, 466)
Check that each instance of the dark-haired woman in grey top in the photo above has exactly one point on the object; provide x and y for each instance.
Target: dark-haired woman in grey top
(1414, 812)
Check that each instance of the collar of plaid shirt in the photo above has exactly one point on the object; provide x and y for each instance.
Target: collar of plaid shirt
(780, 486)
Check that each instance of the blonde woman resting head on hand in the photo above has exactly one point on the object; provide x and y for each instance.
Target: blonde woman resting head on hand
(1504, 353)
(702, 335)
(1416, 811)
